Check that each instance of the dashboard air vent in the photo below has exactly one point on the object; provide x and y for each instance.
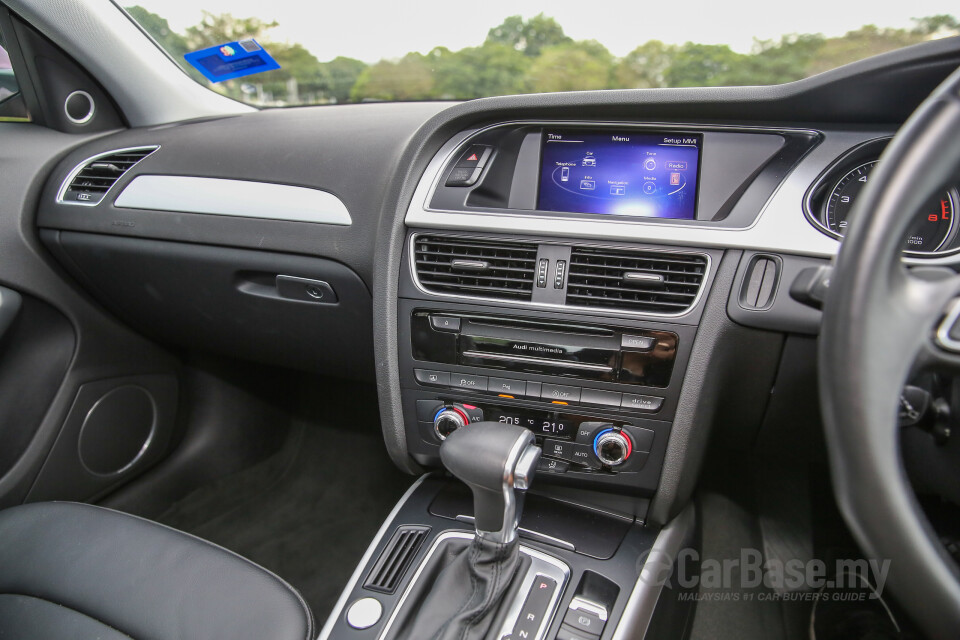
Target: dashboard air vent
(646, 281)
(476, 268)
(89, 182)
(395, 559)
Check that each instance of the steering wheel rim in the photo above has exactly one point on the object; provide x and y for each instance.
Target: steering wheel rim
(878, 326)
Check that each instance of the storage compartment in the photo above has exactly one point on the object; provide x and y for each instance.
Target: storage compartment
(295, 311)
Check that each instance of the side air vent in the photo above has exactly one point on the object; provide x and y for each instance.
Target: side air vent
(476, 268)
(89, 182)
(395, 559)
(646, 281)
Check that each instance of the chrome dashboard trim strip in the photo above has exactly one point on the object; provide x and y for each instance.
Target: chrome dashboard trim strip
(646, 592)
(781, 225)
(226, 197)
(79, 167)
(362, 565)
(564, 307)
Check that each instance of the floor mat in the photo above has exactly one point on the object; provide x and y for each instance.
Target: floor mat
(307, 513)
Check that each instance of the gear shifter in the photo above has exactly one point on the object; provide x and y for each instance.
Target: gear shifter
(461, 588)
(497, 461)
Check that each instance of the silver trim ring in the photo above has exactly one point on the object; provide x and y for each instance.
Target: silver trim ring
(85, 119)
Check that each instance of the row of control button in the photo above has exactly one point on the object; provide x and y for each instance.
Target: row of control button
(571, 452)
(555, 393)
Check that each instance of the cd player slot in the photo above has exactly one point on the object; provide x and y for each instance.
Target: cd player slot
(635, 356)
(500, 357)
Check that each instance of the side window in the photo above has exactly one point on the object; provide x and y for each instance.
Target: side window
(8, 82)
(12, 107)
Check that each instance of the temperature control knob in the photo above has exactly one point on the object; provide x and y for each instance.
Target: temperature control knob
(612, 447)
(448, 420)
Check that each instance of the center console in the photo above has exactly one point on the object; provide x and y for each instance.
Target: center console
(599, 392)
(527, 297)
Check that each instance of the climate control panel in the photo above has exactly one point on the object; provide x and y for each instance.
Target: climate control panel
(570, 442)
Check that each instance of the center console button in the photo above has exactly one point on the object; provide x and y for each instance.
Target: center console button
(601, 398)
(642, 438)
(364, 613)
(533, 389)
(560, 393)
(637, 343)
(548, 465)
(434, 378)
(445, 323)
(465, 381)
(475, 156)
(427, 409)
(567, 633)
(558, 449)
(583, 454)
(516, 388)
(650, 404)
(586, 622)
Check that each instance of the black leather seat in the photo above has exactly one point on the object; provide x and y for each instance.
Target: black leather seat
(78, 571)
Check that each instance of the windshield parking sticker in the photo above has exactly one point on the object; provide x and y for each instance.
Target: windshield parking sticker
(232, 60)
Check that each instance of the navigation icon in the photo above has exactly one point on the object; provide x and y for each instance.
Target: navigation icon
(618, 190)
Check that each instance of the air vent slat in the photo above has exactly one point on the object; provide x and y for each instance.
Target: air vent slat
(428, 263)
(508, 271)
(395, 559)
(99, 174)
(597, 279)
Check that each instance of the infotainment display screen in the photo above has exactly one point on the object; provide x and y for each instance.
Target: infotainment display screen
(621, 173)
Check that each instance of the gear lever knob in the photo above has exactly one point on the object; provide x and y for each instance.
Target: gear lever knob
(497, 461)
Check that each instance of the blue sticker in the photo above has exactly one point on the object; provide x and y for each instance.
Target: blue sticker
(232, 60)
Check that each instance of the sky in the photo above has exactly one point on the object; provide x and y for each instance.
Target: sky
(371, 31)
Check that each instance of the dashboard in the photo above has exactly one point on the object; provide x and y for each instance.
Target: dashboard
(600, 267)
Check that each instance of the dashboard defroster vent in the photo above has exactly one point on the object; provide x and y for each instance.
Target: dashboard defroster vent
(90, 181)
(475, 268)
(647, 281)
(395, 559)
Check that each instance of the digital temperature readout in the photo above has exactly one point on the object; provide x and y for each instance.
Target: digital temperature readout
(542, 423)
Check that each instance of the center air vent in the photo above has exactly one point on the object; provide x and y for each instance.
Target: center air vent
(89, 182)
(646, 281)
(475, 268)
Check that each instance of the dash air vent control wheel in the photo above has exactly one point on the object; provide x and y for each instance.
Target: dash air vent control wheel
(883, 324)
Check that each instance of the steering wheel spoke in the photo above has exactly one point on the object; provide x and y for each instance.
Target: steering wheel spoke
(933, 309)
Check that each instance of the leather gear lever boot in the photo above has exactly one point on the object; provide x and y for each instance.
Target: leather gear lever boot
(470, 578)
(465, 598)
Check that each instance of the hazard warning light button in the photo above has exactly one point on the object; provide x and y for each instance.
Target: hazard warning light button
(475, 157)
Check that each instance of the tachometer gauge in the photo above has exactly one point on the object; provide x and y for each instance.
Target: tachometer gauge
(931, 231)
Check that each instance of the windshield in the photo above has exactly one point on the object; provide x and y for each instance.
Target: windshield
(289, 52)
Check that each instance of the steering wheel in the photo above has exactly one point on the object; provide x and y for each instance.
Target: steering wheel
(881, 324)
